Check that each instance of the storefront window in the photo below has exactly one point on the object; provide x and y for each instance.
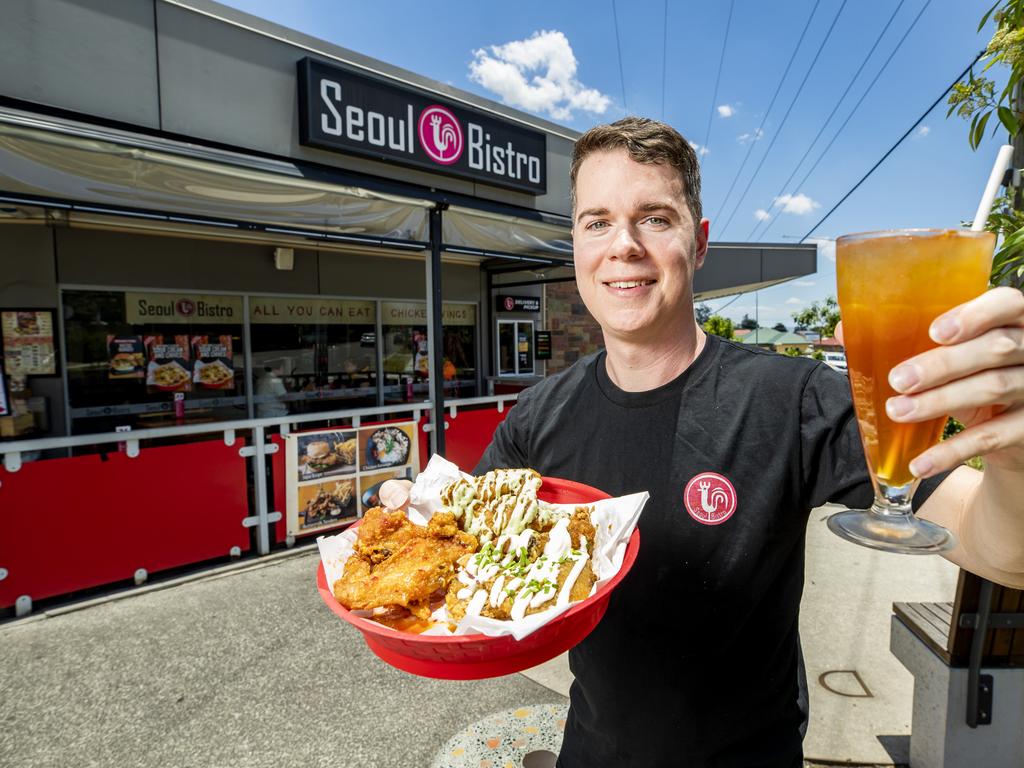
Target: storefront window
(138, 359)
(515, 347)
(312, 355)
(407, 351)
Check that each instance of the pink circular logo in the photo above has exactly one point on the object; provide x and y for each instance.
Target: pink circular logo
(710, 498)
(440, 135)
(510, 303)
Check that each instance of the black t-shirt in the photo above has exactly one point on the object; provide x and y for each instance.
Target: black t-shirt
(695, 662)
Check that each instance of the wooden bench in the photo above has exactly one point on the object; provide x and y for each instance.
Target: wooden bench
(971, 675)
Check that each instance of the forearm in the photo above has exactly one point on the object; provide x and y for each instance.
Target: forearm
(986, 512)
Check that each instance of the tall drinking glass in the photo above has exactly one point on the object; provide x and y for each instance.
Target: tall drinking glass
(892, 285)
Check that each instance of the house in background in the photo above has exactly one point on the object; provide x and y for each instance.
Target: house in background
(777, 341)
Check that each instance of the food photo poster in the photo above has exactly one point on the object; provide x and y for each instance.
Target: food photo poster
(28, 342)
(213, 367)
(170, 368)
(334, 475)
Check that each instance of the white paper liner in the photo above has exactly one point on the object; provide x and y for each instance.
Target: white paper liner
(614, 521)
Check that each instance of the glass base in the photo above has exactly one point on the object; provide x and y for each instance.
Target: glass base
(891, 531)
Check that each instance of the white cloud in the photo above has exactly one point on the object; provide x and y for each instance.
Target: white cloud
(826, 247)
(794, 301)
(724, 110)
(804, 283)
(761, 214)
(743, 138)
(800, 204)
(923, 131)
(701, 151)
(537, 74)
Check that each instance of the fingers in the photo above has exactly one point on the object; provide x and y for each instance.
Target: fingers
(998, 348)
(838, 332)
(394, 494)
(1003, 431)
(998, 386)
(995, 308)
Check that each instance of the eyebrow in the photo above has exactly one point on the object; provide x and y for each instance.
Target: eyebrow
(655, 205)
(591, 212)
(647, 206)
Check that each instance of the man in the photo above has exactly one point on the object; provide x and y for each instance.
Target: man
(696, 661)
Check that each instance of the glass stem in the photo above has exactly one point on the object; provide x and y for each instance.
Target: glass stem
(894, 500)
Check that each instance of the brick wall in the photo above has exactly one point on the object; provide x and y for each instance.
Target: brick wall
(574, 333)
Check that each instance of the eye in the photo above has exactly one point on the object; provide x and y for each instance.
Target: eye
(658, 221)
(597, 225)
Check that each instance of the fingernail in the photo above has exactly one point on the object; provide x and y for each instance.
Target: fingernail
(903, 377)
(898, 406)
(921, 467)
(945, 328)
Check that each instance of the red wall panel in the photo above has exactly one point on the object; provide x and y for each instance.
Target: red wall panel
(70, 524)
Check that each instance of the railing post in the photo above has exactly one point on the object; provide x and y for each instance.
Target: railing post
(260, 470)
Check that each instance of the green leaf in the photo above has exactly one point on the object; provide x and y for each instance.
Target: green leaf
(978, 132)
(984, 18)
(1009, 120)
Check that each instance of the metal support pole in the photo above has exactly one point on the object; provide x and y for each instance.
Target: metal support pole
(260, 470)
(435, 331)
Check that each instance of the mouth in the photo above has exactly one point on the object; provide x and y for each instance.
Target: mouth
(628, 285)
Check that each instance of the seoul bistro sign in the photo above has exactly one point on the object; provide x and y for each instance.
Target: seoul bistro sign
(342, 111)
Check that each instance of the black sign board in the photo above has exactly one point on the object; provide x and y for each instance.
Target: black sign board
(348, 112)
(518, 304)
(542, 345)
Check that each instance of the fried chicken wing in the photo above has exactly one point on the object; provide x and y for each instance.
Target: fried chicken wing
(398, 563)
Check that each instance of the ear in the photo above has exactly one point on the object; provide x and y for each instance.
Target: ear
(702, 243)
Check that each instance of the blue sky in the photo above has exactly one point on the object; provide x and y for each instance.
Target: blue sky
(932, 180)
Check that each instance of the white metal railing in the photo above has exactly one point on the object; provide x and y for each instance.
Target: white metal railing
(259, 449)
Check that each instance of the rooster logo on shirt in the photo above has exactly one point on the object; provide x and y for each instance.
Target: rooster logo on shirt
(710, 498)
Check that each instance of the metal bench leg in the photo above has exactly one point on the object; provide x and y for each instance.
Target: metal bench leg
(979, 686)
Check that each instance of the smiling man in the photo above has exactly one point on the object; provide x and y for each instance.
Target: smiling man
(696, 663)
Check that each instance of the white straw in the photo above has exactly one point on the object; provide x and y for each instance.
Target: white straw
(994, 180)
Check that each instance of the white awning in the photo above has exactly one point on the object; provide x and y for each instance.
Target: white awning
(67, 161)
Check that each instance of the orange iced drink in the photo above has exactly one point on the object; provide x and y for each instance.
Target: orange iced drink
(892, 285)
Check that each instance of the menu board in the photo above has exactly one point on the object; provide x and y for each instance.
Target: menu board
(28, 342)
(126, 357)
(5, 408)
(334, 475)
(212, 367)
(169, 368)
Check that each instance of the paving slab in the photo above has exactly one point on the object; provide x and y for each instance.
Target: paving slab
(860, 694)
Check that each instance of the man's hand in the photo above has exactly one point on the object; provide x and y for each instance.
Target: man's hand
(394, 494)
(975, 375)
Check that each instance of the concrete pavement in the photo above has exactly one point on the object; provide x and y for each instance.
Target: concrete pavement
(247, 667)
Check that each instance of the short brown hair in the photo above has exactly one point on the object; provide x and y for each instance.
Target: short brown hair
(646, 141)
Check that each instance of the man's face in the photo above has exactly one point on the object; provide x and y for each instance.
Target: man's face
(635, 246)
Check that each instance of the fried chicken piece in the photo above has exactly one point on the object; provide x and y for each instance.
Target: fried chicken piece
(581, 526)
(398, 563)
(383, 533)
(421, 567)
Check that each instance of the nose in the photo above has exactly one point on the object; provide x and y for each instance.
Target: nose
(626, 245)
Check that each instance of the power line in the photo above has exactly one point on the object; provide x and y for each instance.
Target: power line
(760, 129)
(856, 106)
(785, 117)
(718, 77)
(894, 146)
(618, 49)
(664, 48)
(828, 119)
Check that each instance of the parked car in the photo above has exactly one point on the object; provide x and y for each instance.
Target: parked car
(836, 361)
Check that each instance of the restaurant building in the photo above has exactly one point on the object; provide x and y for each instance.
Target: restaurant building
(208, 220)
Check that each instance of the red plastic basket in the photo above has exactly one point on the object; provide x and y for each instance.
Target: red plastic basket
(473, 657)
